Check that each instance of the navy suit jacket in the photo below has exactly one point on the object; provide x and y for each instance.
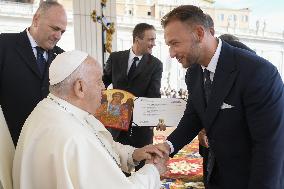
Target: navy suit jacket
(21, 84)
(248, 138)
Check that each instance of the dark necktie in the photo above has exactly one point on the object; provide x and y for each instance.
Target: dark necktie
(207, 91)
(40, 60)
(207, 85)
(132, 68)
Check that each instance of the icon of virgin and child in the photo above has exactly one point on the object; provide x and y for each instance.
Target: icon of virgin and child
(116, 109)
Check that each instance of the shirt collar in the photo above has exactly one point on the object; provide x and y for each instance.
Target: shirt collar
(32, 40)
(132, 55)
(214, 60)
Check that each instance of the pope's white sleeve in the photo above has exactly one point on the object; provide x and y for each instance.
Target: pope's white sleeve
(125, 153)
(88, 165)
(7, 150)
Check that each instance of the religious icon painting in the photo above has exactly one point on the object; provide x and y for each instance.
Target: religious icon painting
(116, 109)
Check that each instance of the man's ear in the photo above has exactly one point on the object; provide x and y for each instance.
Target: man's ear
(200, 31)
(79, 88)
(36, 20)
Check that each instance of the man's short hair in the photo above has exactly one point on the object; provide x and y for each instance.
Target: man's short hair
(186, 13)
(45, 5)
(139, 30)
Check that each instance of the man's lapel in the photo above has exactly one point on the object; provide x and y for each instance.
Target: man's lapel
(124, 63)
(25, 50)
(196, 87)
(51, 56)
(224, 79)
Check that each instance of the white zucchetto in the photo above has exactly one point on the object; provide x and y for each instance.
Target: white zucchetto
(64, 64)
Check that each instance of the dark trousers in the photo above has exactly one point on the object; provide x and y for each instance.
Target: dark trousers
(214, 179)
(203, 151)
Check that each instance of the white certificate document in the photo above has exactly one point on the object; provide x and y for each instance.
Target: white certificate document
(149, 111)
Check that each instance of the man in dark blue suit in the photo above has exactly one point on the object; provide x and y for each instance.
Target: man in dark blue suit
(237, 96)
(24, 61)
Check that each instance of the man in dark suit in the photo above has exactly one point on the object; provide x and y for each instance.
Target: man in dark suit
(237, 96)
(145, 81)
(24, 61)
(203, 140)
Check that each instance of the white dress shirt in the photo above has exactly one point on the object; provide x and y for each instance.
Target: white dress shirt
(214, 60)
(34, 45)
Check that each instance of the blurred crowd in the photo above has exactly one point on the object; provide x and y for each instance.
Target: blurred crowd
(173, 93)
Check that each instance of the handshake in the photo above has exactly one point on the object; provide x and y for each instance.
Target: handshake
(157, 155)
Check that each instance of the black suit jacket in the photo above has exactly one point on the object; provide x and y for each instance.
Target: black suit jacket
(146, 82)
(247, 138)
(21, 84)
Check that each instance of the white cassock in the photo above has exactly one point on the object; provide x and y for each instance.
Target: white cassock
(60, 149)
(7, 151)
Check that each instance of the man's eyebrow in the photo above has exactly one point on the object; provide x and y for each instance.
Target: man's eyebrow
(171, 41)
(57, 28)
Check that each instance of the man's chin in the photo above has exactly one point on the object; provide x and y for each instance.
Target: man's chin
(51, 46)
(184, 64)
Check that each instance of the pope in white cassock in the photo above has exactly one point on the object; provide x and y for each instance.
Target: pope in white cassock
(62, 145)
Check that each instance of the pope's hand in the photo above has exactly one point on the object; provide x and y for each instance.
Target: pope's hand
(148, 152)
(159, 163)
(163, 147)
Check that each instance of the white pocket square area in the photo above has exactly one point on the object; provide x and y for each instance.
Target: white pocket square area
(226, 106)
